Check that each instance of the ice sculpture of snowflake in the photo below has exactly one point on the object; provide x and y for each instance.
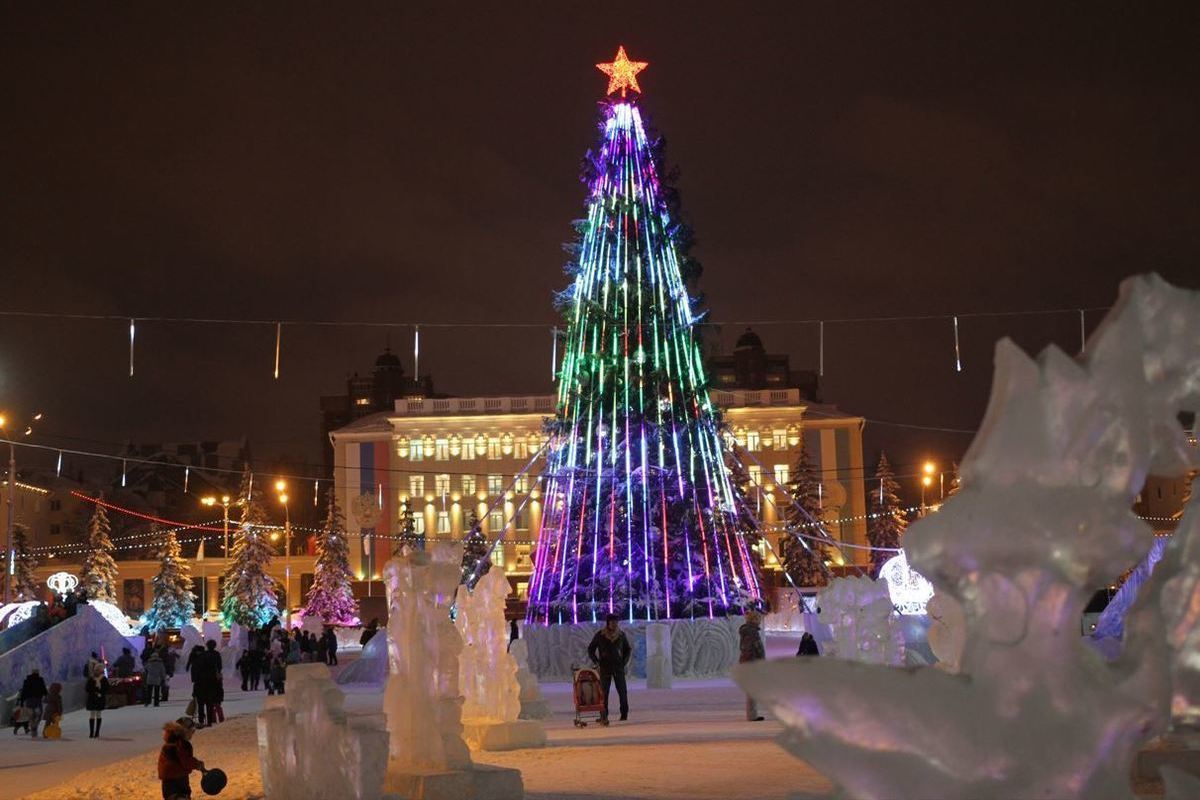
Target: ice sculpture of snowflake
(1042, 518)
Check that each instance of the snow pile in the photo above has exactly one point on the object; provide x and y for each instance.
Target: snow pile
(310, 749)
(860, 617)
(1042, 518)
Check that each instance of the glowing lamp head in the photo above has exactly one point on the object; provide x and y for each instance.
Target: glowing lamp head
(280, 485)
(926, 480)
(225, 499)
(283, 498)
(929, 467)
(209, 501)
(3, 420)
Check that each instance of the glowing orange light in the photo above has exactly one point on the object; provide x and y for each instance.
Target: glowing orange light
(622, 73)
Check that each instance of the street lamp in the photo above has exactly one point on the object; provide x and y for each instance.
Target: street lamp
(224, 503)
(281, 489)
(12, 483)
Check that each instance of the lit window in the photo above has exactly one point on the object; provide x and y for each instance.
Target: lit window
(441, 484)
(441, 450)
(443, 522)
(522, 521)
(416, 449)
(781, 474)
(523, 590)
(362, 401)
(755, 476)
(455, 444)
(779, 437)
(752, 441)
(495, 484)
(497, 556)
(468, 449)
(521, 449)
(419, 523)
(506, 444)
(493, 449)
(495, 523)
(416, 486)
(468, 484)
(521, 483)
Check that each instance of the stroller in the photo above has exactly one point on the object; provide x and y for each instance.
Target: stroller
(589, 696)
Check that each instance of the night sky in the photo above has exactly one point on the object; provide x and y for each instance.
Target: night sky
(403, 163)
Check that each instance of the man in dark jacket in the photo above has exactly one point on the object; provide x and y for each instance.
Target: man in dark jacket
(33, 692)
(610, 651)
(124, 665)
(750, 647)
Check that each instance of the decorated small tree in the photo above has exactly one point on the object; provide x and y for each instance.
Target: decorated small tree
(331, 597)
(408, 530)
(800, 550)
(886, 521)
(249, 592)
(174, 603)
(25, 583)
(99, 567)
(475, 561)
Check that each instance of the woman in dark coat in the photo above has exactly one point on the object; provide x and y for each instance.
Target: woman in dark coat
(97, 697)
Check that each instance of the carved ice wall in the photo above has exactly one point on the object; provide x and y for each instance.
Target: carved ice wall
(1043, 517)
(487, 671)
(862, 622)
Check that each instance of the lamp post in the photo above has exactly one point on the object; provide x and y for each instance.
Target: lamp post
(224, 503)
(926, 481)
(10, 556)
(281, 489)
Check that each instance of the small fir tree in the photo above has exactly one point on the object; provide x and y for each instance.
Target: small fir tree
(475, 561)
(99, 566)
(174, 603)
(408, 530)
(25, 582)
(331, 597)
(249, 591)
(886, 523)
(802, 555)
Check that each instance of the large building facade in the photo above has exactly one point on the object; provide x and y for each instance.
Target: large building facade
(451, 459)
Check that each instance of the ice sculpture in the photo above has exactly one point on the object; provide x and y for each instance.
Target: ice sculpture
(860, 617)
(1042, 518)
(947, 631)
(533, 704)
(372, 664)
(492, 695)
(659, 669)
(428, 757)
(309, 748)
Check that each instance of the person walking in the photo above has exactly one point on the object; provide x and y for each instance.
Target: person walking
(610, 651)
(808, 646)
(32, 695)
(750, 648)
(212, 692)
(243, 667)
(169, 658)
(256, 669)
(197, 667)
(331, 647)
(96, 697)
(278, 676)
(156, 675)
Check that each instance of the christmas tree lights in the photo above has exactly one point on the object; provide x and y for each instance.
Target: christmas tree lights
(640, 517)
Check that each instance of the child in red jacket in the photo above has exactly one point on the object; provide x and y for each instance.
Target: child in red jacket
(176, 761)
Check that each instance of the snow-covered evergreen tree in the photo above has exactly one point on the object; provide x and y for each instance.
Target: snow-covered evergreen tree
(802, 556)
(99, 567)
(331, 597)
(475, 561)
(174, 604)
(886, 521)
(25, 583)
(408, 530)
(249, 592)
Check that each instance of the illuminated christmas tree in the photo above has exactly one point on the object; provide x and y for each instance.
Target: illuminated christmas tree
(475, 561)
(802, 555)
(249, 592)
(99, 567)
(886, 521)
(331, 597)
(25, 583)
(639, 514)
(174, 603)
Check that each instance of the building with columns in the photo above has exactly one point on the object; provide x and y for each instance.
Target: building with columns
(450, 457)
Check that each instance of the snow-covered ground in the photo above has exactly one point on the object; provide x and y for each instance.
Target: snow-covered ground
(688, 742)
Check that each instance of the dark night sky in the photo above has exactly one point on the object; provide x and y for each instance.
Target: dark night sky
(398, 162)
